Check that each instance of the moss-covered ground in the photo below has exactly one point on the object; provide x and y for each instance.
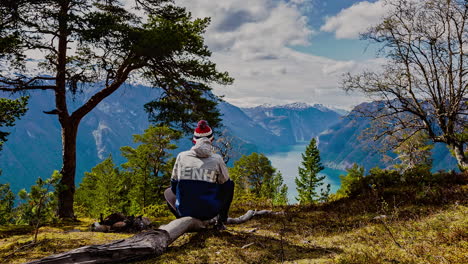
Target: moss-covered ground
(395, 226)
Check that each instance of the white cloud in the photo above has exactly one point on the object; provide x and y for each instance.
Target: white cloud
(291, 77)
(352, 21)
(256, 29)
(252, 42)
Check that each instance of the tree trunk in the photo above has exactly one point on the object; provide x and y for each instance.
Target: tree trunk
(147, 244)
(462, 159)
(67, 183)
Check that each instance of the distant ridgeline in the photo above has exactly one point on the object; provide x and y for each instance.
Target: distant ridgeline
(340, 146)
(34, 147)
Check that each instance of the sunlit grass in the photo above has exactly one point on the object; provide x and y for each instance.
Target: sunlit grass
(417, 228)
(16, 244)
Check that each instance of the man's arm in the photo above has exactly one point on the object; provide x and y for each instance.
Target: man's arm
(175, 175)
(224, 174)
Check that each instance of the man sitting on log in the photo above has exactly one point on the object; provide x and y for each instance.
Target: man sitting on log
(200, 184)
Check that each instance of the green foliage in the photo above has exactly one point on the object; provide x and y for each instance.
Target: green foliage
(254, 176)
(325, 194)
(378, 180)
(139, 187)
(163, 44)
(156, 211)
(7, 201)
(280, 190)
(182, 114)
(308, 179)
(102, 190)
(351, 183)
(10, 111)
(40, 204)
(149, 165)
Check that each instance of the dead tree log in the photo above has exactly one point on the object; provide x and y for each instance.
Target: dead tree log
(146, 244)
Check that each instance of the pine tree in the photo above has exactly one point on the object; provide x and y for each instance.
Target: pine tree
(40, 203)
(95, 46)
(10, 111)
(7, 202)
(100, 190)
(280, 190)
(148, 165)
(308, 179)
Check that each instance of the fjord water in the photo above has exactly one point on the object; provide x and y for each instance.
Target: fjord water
(288, 160)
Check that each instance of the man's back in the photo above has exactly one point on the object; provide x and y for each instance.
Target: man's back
(196, 180)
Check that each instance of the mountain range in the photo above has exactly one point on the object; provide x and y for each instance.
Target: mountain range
(34, 147)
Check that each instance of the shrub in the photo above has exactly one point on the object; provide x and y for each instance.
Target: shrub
(39, 205)
(156, 210)
(352, 183)
(7, 201)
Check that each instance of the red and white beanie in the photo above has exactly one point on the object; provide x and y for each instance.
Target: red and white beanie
(202, 130)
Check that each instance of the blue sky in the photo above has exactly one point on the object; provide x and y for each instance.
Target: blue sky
(325, 43)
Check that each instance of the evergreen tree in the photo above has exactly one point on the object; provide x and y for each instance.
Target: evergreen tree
(97, 45)
(280, 190)
(149, 165)
(40, 203)
(101, 190)
(10, 111)
(308, 179)
(7, 201)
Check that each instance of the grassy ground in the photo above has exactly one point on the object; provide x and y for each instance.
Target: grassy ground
(396, 226)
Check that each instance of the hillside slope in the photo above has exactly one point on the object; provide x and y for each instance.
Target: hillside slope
(34, 147)
(341, 145)
(409, 224)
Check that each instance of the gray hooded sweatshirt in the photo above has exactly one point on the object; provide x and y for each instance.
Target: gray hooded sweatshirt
(195, 180)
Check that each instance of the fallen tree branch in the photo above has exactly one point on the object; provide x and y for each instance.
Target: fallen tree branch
(146, 244)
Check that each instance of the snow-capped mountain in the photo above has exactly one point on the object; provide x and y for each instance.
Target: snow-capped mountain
(294, 123)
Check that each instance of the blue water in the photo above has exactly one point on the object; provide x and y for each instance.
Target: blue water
(289, 160)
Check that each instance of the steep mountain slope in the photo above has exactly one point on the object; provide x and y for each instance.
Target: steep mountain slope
(341, 146)
(34, 147)
(246, 130)
(293, 123)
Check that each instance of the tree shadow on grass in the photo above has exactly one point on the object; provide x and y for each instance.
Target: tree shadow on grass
(14, 230)
(238, 247)
(27, 250)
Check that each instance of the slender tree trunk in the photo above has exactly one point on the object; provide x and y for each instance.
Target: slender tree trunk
(462, 159)
(67, 183)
